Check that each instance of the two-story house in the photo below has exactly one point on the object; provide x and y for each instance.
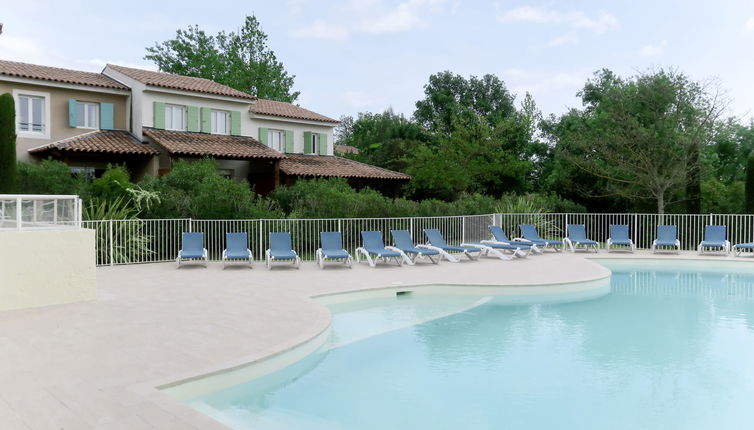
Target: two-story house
(162, 117)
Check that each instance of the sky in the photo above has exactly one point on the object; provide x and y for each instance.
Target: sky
(353, 56)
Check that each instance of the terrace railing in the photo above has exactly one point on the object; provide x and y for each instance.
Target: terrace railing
(39, 212)
(158, 240)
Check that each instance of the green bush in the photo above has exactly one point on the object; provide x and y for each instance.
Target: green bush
(49, 177)
(113, 184)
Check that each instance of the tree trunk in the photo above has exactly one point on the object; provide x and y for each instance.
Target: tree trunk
(661, 203)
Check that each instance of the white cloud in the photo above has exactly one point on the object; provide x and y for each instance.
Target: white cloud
(535, 82)
(361, 100)
(598, 24)
(653, 50)
(371, 17)
(569, 38)
(750, 24)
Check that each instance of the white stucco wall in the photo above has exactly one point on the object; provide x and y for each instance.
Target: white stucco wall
(298, 127)
(149, 97)
(48, 267)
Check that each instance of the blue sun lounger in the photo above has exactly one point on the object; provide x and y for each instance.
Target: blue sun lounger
(499, 236)
(715, 239)
(236, 248)
(281, 250)
(619, 237)
(529, 233)
(404, 244)
(192, 248)
(374, 246)
(667, 237)
(740, 248)
(437, 243)
(576, 236)
(332, 249)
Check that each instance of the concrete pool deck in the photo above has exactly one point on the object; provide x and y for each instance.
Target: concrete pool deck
(94, 365)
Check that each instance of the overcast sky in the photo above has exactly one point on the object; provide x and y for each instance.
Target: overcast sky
(367, 55)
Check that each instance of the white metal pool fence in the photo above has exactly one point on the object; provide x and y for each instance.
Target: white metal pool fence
(158, 240)
(39, 212)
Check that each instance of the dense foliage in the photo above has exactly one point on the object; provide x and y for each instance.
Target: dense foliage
(241, 60)
(7, 144)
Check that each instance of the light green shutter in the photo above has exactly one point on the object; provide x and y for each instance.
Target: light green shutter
(308, 142)
(206, 120)
(235, 123)
(106, 120)
(322, 144)
(72, 120)
(289, 141)
(159, 115)
(263, 136)
(192, 118)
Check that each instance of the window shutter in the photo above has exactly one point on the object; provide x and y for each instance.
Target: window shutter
(192, 118)
(289, 141)
(72, 120)
(235, 123)
(159, 115)
(308, 142)
(263, 136)
(206, 120)
(322, 144)
(106, 120)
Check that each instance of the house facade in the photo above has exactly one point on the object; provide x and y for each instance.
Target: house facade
(149, 120)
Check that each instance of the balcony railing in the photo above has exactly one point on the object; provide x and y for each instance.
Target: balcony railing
(39, 212)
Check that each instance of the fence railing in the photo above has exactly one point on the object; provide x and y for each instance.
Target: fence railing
(39, 212)
(158, 240)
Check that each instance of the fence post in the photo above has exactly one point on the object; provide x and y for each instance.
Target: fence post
(110, 247)
(191, 225)
(463, 229)
(635, 229)
(18, 213)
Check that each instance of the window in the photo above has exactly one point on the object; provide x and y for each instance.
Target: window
(276, 139)
(315, 143)
(87, 115)
(220, 122)
(31, 113)
(175, 117)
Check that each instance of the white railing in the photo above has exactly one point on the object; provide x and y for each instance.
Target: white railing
(158, 240)
(39, 212)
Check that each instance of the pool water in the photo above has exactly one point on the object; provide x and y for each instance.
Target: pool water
(667, 348)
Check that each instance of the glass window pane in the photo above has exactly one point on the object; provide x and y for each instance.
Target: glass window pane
(92, 117)
(37, 108)
(168, 117)
(80, 115)
(23, 113)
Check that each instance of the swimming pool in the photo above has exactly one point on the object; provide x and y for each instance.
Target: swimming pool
(670, 345)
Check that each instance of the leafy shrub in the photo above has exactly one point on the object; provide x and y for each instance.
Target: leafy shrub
(113, 184)
(49, 177)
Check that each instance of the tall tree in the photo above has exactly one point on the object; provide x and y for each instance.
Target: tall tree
(749, 190)
(7, 144)
(639, 135)
(241, 60)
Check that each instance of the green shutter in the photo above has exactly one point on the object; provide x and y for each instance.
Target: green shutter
(106, 116)
(235, 123)
(192, 118)
(289, 141)
(322, 144)
(159, 115)
(206, 120)
(72, 120)
(308, 142)
(264, 136)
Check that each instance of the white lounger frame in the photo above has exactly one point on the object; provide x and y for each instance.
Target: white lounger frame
(205, 257)
(631, 247)
(321, 259)
(521, 252)
(677, 250)
(714, 250)
(360, 251)
(487, 250)
(268, 259)
(543, 248)
(448, 256)
(226, 259)
(739, 251)
(573, 245)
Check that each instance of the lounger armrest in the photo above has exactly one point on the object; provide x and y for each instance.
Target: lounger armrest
(521, 239)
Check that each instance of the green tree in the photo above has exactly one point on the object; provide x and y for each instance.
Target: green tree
(750, 184)
(7, 144)
(639, 135)
(241, 60)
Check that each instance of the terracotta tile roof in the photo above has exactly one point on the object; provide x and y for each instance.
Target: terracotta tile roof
(329, 166)
(100, 141)
(180, 82)
(346, 149)
(287, 110)
(54, 74)
(213, 145)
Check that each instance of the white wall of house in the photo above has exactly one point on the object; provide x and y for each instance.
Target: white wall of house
(297, 126)
(152, 95)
